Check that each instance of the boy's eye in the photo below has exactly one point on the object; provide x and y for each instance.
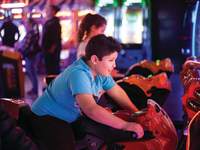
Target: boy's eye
(112, 59)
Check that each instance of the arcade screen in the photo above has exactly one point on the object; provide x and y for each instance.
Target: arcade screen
(108, 13)
(131, 29)
(124, 23)
(66, 28)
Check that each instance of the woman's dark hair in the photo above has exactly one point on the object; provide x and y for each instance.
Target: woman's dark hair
(101, 45)
(88, 21)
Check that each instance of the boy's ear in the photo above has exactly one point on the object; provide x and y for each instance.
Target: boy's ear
(94, 59)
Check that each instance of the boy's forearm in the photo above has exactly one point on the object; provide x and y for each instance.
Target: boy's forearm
(124, 101)
(101, 115)
(121, 98)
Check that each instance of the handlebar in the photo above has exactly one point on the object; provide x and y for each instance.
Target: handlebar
(139, 113)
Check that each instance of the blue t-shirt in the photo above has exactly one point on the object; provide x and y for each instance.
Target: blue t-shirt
(58, 100)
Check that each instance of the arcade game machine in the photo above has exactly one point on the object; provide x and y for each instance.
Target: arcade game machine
(190, 74)
(191, 30)
(11, 69)
(128, 22)
(12, 75)
(68, 24)
(191, 50)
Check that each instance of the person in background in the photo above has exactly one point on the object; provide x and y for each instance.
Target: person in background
(91, 25)
(74, 93)
(51, 41)
(9, 32)
(29, 49)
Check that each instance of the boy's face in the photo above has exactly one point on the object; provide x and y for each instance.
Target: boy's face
(106, 65)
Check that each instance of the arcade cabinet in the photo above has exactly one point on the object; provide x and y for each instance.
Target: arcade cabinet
(128, 22)
(11, 74)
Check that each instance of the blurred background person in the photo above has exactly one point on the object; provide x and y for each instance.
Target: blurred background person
(51, 41)
(91, 25)
(29, 49)
(9, 32)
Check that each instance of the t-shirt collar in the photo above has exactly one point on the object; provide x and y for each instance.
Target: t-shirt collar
(86, 67)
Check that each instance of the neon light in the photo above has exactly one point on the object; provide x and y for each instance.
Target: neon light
(128, 2)
(17, 16)
(16, 11)
(13, 5)
(64, 54)
(2, 11)
(84, 12)
(36, 15)
(194, 20)
(63, 14)
(102, 3)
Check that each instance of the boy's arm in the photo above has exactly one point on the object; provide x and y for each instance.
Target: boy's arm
(98, 113)
(101, 115)
(120, 96)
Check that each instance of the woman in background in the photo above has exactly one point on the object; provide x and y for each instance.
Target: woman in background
(91, 25)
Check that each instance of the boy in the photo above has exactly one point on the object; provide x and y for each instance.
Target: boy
(73, 92)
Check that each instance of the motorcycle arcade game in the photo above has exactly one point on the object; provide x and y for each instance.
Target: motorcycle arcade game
(160, 133)
(190, 78)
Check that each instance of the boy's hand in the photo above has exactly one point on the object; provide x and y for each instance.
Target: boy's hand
(134, 127)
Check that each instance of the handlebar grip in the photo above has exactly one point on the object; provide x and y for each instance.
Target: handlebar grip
(138, 113)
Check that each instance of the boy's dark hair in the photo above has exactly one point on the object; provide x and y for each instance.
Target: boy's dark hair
(88, 21)
(101, 46)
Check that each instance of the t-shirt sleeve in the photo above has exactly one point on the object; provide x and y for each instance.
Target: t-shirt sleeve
(80, 83)
(108, 83)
